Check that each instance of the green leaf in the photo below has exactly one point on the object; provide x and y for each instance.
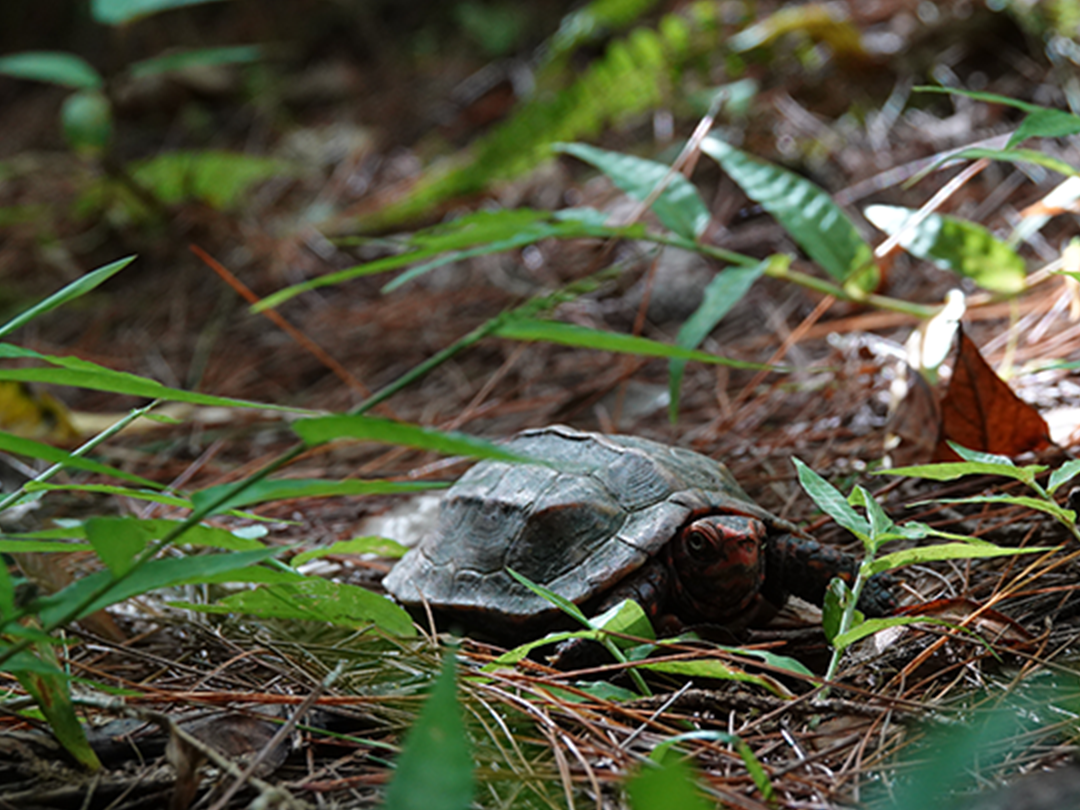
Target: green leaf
(1067, 516)
(951, 470)
(807, 212)
(384, 431)
(382, 546)
(882, 527)
(1031, 156)
(151, 576)
(315, 599)
(772, 659)
(837, 596)
(831, 502)
(14, 545)
(10, 443)
(477, 234)
(200, 57)
(118, 541)
(946, 551)
(871, 626)
(279, 489)
(219, 178)
(1041, 122)
(669, 785)
(435, 769)
(1063, 474)
(118, 12)
(721, 294)
(7, 592)
(52, 694)
(963, 247)
(110, 489)
(55, 67)
(566, 334)
(627, 618)
(678, 206)
(712, 668)
(86, 119)
(76, 289)
(561, 602)
(85, 374)
(753, 766)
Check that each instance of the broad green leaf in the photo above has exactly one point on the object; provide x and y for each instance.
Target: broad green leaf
(831, 502)
(678, 206)
(86, 120)
(721, 294)
(627, 617)
(435, 769)
(55, 67)
(383, 546)
(316, 600)
(946, 551)
(118, 541)
(963, 247)
(81, 373)
(566, 334)
(279, 489)
(384, 431)
(200, 57)
(151, 576)
(1063, 474)
(667, 786)
(118, 12)
(807, 212)
(76, 289)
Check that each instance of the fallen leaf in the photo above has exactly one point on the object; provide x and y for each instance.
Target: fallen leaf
(981, 412)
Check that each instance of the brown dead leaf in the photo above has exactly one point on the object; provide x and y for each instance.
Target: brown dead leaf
(981, 412)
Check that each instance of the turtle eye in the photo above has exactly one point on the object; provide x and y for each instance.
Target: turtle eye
(698, 542)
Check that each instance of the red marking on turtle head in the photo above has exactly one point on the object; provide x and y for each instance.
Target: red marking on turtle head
(719, 565)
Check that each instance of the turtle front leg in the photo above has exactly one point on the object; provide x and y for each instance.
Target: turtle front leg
(649, 586)
(804, 567)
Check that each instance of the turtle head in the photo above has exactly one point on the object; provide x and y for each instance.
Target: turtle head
(718, 563)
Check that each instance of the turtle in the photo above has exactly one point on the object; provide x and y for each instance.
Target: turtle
(598, 518)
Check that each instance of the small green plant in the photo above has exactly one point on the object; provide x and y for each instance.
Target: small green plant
(842, 622)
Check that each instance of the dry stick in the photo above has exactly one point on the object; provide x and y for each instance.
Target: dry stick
(275, 317)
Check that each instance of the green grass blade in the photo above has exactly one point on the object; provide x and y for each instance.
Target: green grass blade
(946, 551)
(75, 289)
(280, 489)
(435, 769)
(198, 57)
(566, 334)
(384, 431)
(119, 12)
(670, 785)
(30, 448)
(721, 294)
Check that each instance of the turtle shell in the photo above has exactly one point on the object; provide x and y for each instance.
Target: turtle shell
(591, 514)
